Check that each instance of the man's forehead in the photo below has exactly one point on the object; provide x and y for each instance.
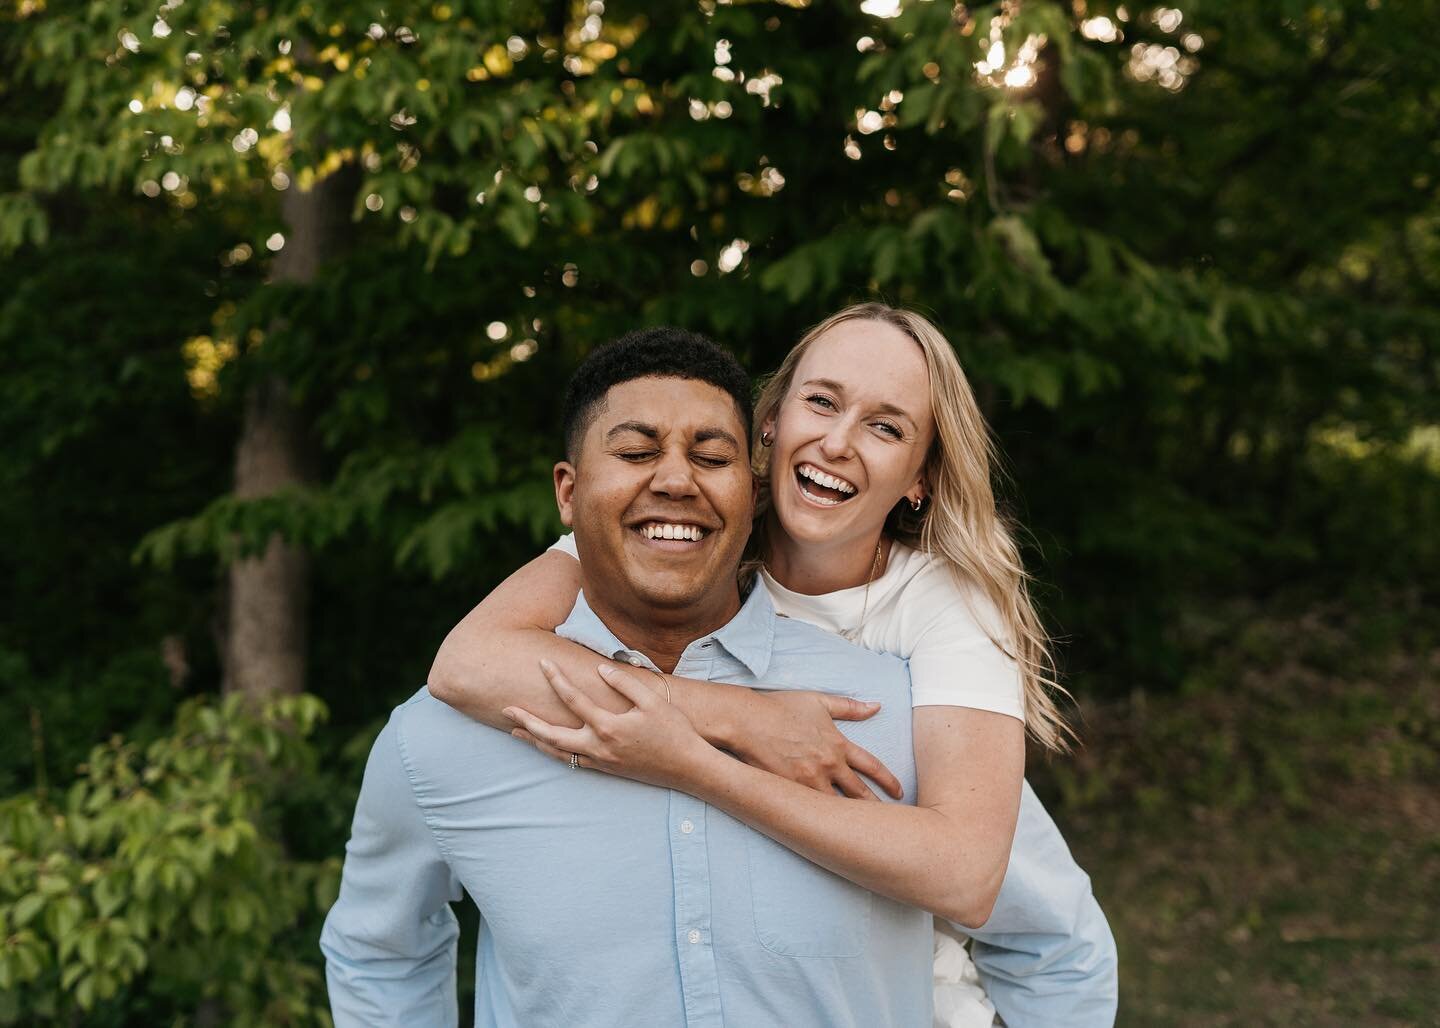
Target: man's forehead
(669, 405)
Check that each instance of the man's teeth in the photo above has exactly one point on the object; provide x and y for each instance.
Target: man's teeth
(665, 530)
(828, 481)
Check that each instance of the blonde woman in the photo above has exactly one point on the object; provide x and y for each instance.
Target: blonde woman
(877, 522)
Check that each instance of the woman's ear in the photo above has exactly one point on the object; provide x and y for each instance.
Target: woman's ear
(918, 491)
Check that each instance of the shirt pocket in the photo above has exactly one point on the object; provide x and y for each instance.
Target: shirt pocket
(801, 909)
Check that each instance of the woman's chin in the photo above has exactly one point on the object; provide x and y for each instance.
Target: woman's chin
(811, 523)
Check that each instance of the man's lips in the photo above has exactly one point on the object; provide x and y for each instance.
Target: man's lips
(672, 534)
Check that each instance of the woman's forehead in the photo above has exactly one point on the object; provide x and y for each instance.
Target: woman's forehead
(870, 360)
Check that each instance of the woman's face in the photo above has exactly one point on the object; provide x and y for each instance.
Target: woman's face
(851, 435)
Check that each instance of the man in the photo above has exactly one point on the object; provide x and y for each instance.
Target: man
(609, 902)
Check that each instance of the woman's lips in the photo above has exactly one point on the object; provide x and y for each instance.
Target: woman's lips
(819, 495)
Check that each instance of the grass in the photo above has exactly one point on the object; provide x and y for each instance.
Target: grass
(1267, 844)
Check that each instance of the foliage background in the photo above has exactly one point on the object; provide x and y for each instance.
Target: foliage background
(1189, 255)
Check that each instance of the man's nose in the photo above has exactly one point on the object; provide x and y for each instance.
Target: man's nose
(673, 476)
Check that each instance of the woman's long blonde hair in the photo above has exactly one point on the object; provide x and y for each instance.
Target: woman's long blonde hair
(958, 521)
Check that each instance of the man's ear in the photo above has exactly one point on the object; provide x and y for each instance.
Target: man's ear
(564, 491)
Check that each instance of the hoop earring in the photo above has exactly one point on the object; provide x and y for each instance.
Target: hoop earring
(915, 504)
(765, 439)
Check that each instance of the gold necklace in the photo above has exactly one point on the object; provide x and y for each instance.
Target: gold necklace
(854, 633)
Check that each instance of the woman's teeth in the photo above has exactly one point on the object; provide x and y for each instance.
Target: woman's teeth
(840, 489)
(665, 530)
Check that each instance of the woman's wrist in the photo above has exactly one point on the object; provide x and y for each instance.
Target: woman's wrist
(714, 708)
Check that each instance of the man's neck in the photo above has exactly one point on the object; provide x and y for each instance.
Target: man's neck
(663, 634)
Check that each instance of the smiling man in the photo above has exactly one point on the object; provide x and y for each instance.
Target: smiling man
(605, 901)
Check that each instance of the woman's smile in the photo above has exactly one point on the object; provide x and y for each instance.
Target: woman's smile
(821, 487)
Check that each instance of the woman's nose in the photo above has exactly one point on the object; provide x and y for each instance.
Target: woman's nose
(835, 444)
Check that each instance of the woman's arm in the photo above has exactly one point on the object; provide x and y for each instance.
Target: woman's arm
(947, 854)
(489, 661)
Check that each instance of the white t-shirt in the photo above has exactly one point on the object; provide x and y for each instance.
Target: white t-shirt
(917, 610)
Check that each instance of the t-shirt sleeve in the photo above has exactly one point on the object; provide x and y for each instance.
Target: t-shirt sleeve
(954, 662)
(566, 545)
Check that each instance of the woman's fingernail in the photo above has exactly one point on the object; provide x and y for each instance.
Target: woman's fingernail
(546, 666)
(606, 670)
(510, 713)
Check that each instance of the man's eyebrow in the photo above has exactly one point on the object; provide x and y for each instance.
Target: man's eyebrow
(883, 408)
(704, 435)
(648, 431)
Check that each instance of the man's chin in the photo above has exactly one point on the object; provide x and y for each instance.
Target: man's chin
(658, 594)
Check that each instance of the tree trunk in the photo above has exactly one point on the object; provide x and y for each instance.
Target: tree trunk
(265, 646)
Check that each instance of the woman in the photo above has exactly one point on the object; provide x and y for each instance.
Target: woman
(877, 521)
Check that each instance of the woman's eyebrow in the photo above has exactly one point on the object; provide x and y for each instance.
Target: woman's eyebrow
(883, 408)
(825, 383)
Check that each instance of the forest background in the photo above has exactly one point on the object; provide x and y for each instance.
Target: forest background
(290, 290)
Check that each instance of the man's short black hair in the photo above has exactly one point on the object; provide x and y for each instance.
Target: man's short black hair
(663, 352)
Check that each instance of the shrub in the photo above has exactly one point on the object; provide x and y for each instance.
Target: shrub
(159, 885)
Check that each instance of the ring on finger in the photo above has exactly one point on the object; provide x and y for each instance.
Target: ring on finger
(574, 761)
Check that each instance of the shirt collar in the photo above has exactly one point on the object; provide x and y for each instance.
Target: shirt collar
(749, 636)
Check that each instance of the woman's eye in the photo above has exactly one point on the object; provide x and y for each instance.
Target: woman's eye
(711, 461)
(823, 401)
(885, 426)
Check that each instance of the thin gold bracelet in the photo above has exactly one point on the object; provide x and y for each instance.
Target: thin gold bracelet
(663, 681)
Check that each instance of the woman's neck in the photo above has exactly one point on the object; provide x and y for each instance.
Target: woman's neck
(813, 569)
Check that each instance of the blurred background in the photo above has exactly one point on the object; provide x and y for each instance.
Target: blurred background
(290, 291)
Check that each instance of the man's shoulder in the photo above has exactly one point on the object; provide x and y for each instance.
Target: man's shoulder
(798, 642)
(426, 729)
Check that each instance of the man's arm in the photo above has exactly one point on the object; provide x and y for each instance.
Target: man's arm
(1046, 955)
(390, 939)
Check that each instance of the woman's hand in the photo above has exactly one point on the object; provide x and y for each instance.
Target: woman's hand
(652, 742)
(793, 735)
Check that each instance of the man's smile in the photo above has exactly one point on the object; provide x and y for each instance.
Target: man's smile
(675, 536)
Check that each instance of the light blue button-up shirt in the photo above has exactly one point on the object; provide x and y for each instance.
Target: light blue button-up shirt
(608, 902)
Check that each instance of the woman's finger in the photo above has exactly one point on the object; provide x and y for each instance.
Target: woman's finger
(867, 763)
(570, 740)
(843, 708)
(545, 748)
(849, 784)
(627, 685)
(582, 705)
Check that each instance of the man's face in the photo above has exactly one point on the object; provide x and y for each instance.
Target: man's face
(660, 498)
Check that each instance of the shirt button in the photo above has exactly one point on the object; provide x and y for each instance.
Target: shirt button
(694, 936)
(687, 826)
(637, 662)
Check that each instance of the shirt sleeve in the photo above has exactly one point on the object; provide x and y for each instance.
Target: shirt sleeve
(954, 662)
(566, 545)
(390, 939)
(1046, 955)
